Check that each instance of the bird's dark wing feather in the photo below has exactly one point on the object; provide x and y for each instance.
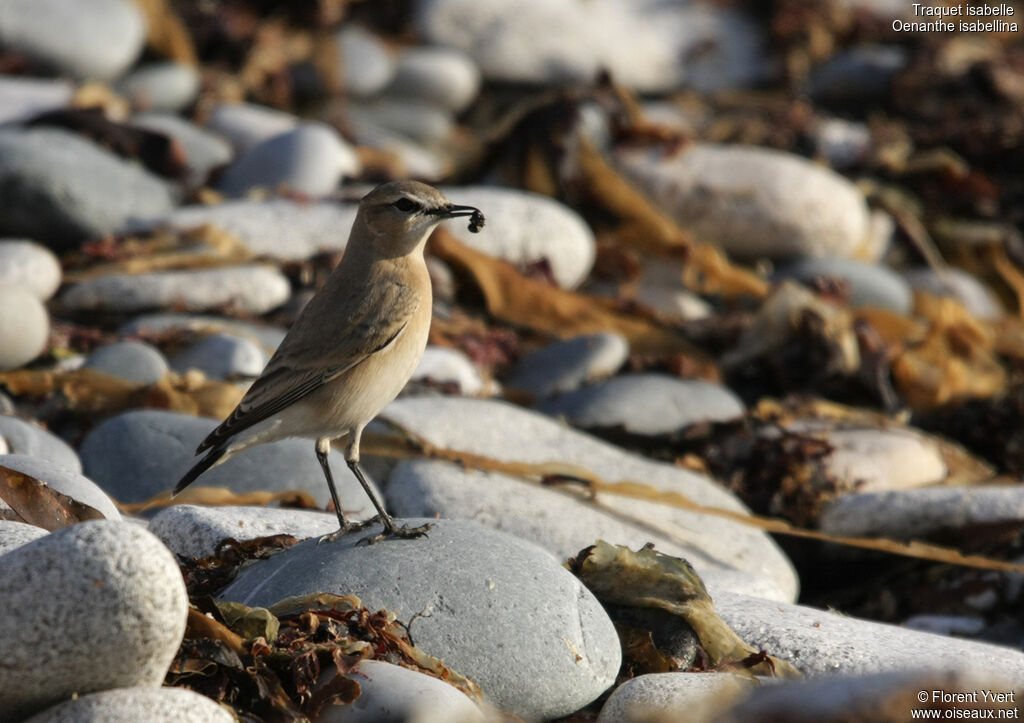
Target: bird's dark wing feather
(310, 357)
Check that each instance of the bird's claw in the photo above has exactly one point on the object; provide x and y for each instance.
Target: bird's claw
(403, 532)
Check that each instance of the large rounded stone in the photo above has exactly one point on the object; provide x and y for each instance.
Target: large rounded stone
(24, 326)
(30, 265)
(648, 404)
(364, 64)
(194, 531)
(59, 188)
(524, 228)
(204, 151)
(98, 605)
(567, 365)
(753, 202)
(507, 433)
(161, 86)
(63, 480)
(246, 124)
(649, 45)
(15, 534)
(281, 228)
(222, 356)
(482, 596)
(442, 76)
(131, 705)
(139, 454)
(395, 694)
(22, 98)
(310, 159)
(134, 361)
(249, 289)
(869, 284)
(84, 38)
(21, 437)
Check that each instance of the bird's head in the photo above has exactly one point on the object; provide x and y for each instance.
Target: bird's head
(399, 215)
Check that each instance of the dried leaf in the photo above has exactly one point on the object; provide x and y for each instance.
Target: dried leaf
(166, 34)
(38, 504)
(514, 298)
(221, 497)
(650, 579)
(88, 391)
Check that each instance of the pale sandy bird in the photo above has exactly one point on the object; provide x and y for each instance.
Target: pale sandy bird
(353, 347)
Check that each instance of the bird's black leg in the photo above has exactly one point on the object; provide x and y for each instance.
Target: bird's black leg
(323, 448)
(390, 529)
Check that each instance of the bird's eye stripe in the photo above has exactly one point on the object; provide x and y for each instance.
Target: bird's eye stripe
(406, 205)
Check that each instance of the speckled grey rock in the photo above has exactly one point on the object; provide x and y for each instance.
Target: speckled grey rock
(393, 694)
(962, 286)
(417, 120)
(98, 605)
(870, 284)
(441, 365)
(524, 228)
(753, 202)
(204, 151)
(442, 76)
(645, 403)
(562, 42)
(563, 525)
(21, 437)
(276, 227)
(134, 361)
(268, 337)
(504, 432)
(672, 696)
(819, 642)
(478, 591)
(911, 513)
(250, 289)
(59, 188)
(364, 64)
(30, 265)
(160, 86)
(246, 124)
(22, 98)
(15, 534)
(24, 326)
(63, 480)
(98, 39)
(138, 454)
(6, 407)
(222, 356)
(193, 531)
(858, 74)
(309, 159)
(131, 705)
(566, 365)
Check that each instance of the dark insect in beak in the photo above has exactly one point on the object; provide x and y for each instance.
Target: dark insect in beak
(476, 219)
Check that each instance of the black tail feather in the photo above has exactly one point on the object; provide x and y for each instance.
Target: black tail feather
(198, 468)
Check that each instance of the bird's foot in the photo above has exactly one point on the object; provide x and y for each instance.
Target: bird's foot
(346, 529)
(403, 532)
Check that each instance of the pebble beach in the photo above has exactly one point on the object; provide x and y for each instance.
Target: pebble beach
(721, 416)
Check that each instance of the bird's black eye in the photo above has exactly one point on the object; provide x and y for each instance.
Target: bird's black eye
(406, 205)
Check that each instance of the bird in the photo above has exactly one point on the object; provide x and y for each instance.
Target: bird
(352, 348)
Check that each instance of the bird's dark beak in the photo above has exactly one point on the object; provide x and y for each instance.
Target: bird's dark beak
(453, 211)
(476, 218)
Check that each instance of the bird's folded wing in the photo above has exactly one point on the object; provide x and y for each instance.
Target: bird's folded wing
(306, 361)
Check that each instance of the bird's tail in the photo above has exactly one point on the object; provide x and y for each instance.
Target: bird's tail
(212, 458)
